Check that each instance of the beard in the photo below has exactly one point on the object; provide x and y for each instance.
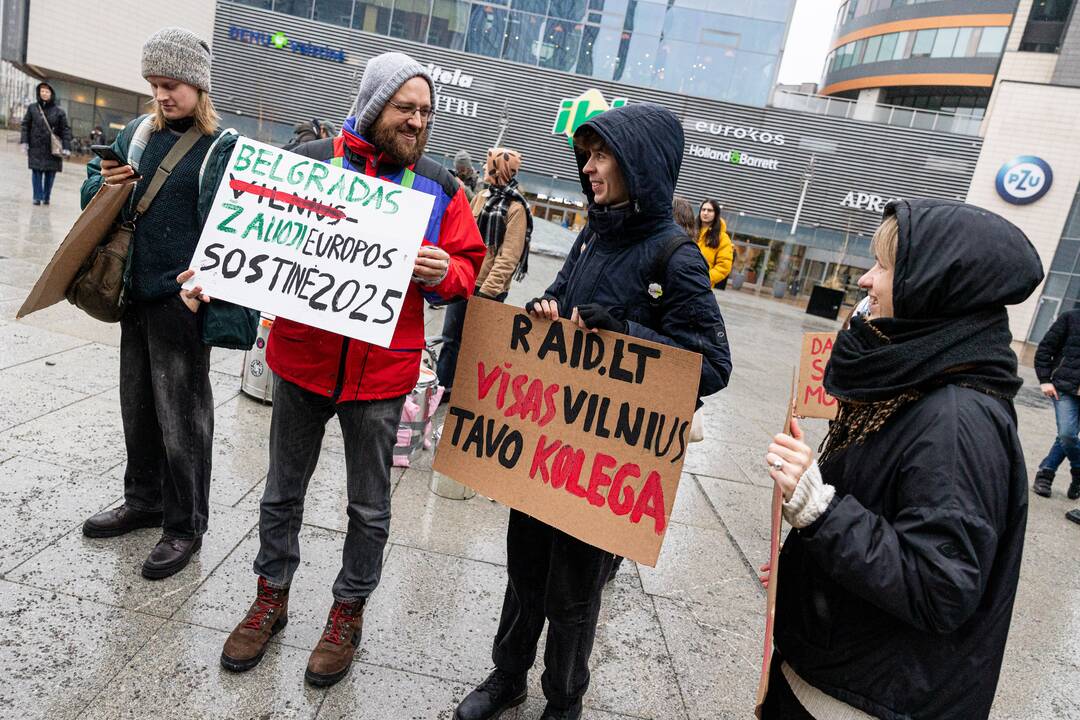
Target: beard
(387, 140)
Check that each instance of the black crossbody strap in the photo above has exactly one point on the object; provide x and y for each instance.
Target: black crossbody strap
(178, 151)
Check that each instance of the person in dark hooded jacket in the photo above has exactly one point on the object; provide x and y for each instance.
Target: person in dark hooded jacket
(897, 584)
(44, 118)
(631, 270)
(1057, 365)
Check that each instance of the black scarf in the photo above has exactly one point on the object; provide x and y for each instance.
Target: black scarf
(492, 221)
(879, 366)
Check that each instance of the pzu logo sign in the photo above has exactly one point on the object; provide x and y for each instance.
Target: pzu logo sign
(1024, 180)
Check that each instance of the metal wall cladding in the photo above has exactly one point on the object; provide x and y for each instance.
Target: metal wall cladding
(750, 159)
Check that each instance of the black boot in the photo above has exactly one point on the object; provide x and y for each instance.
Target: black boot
(553, 713)
(119, 521)
(1043, 480)
(169, 556)
(1074, 486)
(500, 692)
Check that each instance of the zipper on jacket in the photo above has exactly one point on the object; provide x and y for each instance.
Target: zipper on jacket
(341, 369)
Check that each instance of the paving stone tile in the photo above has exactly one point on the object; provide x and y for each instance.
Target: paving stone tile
(86, 370)
(745, 511)
(370, 692)
(702, 565)
(22, 342)
(178, 675)
(691, 505)
(241, 448)
(87, 435)
(108, 570)
(57, 651)
(40, 502)
(25, 400)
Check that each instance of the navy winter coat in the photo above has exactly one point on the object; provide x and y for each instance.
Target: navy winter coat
(35, 132)
(1057, 360)
(614, 258)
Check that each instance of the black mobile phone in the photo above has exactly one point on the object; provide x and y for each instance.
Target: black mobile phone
(105, 152)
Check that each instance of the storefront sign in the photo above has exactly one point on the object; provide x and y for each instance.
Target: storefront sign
(866, 201)
(575, 112)
(734, 157)
(1024, 179)
(280, 41)
(311, 242)
(586, 431)
(445, 76)
(737, 132)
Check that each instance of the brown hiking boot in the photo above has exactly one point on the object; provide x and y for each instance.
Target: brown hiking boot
(266, 617)
(333, 656)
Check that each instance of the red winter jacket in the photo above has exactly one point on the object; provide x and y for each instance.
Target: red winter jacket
(336, 366)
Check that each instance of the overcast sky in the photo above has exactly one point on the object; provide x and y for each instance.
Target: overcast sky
(808, 41)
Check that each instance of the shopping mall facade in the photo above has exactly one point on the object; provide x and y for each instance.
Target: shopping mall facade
(801, 189)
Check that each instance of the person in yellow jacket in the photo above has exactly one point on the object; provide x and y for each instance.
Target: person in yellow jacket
(714, 243)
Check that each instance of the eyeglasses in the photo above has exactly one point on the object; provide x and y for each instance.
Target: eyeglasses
(426, 113)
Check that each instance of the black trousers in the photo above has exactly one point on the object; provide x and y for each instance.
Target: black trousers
(168, 411)
(780, 702)
(555, 577)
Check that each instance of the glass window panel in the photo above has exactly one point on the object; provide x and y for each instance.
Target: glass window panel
(487, 27)
(992, 41)
(857, 52)
(873, 45)
(449, 24)
(924, 43)
(944, 42)
(300, 8)
(963, 41)
(372, 16)
(567, 9)
(335, 12)
(264, 4)
(559, 49)
(599, 52)
(752, 78)
(1050, 10)
(523, 37)
(645, 16)
(534, 6)
(1044, 318)
(756, 35)
(888, 47)
(1073, 293)
(1055, 284)
(904, 41)
(1072, 227)
(637, 59)
(116, 100)
(1065, 256)
(410, 19)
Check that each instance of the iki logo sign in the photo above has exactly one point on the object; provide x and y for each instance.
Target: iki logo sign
(575, 112)
(1024, 179)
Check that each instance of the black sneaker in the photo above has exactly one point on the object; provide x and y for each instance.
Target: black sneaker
(500, 692)
(1073, 515)
(571, 713)
(1043, 480)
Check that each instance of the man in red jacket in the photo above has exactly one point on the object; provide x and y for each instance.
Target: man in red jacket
(320, 374)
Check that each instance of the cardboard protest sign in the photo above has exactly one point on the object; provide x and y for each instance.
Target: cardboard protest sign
(584, 431)
(811, 400)
(89, 230)
(311, 242)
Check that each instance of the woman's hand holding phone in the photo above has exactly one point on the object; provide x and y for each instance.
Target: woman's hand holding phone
(115, 173)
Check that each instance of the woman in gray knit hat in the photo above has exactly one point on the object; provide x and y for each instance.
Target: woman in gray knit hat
(165, 396)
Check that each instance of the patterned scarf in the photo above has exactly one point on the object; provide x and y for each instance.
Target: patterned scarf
(500, 174)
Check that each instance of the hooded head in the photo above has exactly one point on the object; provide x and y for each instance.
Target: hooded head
(52, 94)
(954, 259)
(383, 76)
(502, 166)
(647, 142)
(463, 162)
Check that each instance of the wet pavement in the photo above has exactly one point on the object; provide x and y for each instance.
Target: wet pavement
(82, 635)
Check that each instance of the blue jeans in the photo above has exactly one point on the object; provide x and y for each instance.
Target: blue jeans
(296, 432)
(42, 180)
(1067, 444)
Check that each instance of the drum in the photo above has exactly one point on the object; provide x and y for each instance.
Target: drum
(258, 381)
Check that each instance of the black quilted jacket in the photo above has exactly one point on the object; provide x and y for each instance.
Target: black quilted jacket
(1057, 360)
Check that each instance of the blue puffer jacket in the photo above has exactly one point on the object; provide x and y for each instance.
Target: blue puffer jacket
(614, 258)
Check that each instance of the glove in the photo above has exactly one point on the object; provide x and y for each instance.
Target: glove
(536, 301)
(597, 317)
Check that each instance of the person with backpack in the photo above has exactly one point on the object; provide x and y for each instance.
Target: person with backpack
(505, 222)
(45, 126)
(178, 155)
(1057, 365)
(632, 270)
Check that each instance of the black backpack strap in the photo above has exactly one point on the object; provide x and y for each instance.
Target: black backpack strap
(659, 268)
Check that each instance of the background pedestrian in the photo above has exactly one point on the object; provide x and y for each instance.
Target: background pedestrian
(44, 119)
(1057, 365)
(714, 243)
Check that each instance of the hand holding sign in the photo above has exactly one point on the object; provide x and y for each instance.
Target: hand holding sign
(789, 457)
(431, 265)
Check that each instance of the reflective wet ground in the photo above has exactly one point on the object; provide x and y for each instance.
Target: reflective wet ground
(82, 635)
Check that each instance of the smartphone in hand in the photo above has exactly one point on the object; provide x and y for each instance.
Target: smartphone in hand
(105, 152)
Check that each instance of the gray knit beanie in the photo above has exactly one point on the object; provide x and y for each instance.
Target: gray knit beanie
(383, 76)
(179, 54)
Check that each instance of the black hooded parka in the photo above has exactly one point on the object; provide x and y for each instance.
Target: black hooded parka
(897, 600)
(613, 260)
(35, 132)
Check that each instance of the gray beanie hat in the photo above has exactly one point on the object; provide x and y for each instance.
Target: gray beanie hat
(179, 54)
(383, 76)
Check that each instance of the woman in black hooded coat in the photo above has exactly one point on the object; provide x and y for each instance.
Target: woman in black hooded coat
(896, 588)
(43, 118)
